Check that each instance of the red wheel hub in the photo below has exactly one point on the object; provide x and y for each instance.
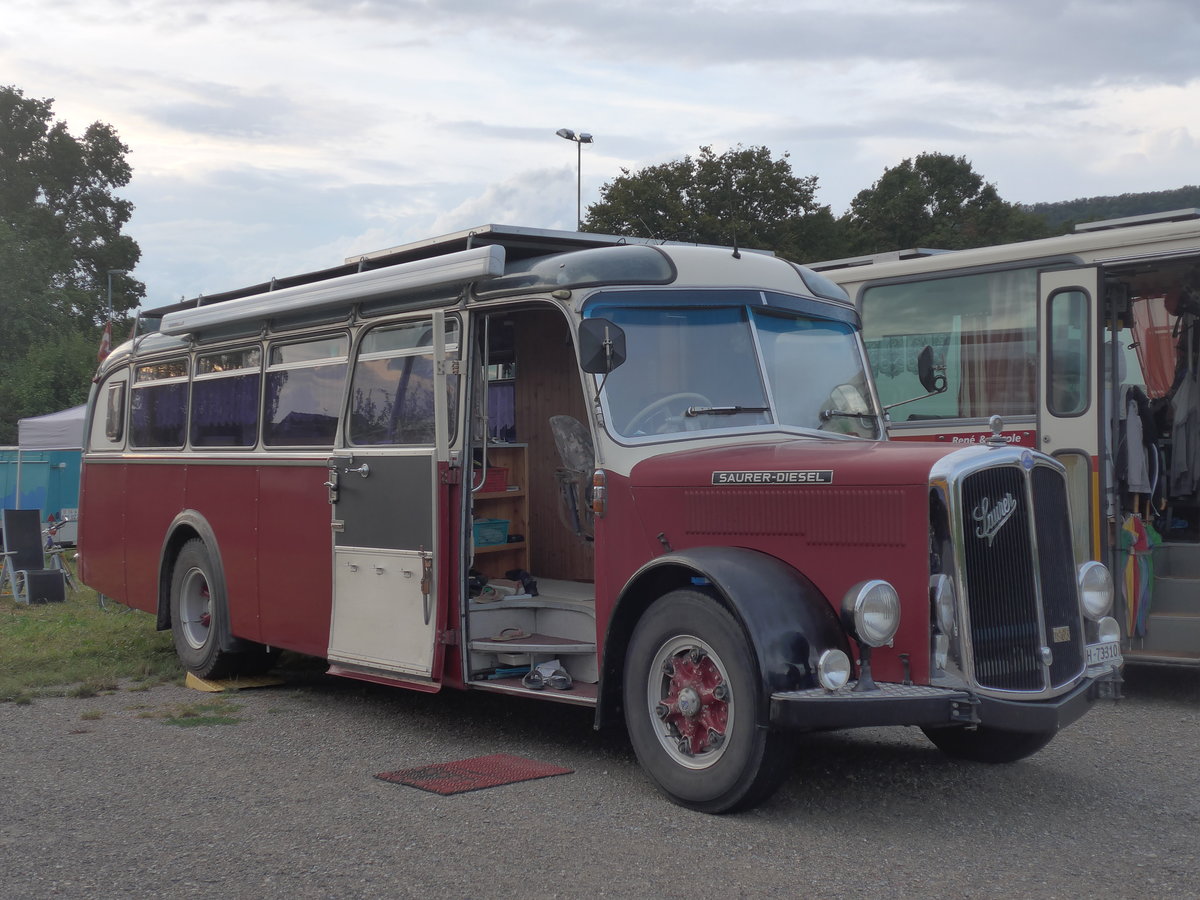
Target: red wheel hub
(696, 703)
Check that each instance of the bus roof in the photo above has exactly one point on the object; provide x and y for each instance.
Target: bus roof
(518, 243)
(1109, 242)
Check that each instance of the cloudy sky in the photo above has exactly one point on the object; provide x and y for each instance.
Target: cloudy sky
(270, 138)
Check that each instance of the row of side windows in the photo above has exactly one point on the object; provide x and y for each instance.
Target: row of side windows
(223, 399)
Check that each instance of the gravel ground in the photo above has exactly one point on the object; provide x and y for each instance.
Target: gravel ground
(99, 800)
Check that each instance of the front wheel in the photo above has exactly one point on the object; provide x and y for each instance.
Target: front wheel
(988, 745)
(693, 707)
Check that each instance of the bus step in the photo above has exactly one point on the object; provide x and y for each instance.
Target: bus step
(1169, 633)
(533, 643)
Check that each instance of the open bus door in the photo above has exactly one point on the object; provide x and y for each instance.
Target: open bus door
(385, 499)
(1071, 404)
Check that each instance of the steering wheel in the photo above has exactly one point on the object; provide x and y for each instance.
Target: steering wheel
(662, 407)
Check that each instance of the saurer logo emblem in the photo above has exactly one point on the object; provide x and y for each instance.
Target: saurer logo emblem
(991, 516)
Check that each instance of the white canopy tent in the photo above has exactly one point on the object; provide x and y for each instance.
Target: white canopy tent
(61, 430)
(56, 431)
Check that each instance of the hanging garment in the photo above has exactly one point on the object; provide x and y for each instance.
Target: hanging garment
(1185, 406)
(1137, 467)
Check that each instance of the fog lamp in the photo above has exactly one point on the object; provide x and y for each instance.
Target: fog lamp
(833, 669)
(1108, 629)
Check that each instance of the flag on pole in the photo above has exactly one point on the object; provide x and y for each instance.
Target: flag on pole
(105, 343)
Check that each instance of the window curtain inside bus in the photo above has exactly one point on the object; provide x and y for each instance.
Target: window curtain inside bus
(999, 350)
(981, 327)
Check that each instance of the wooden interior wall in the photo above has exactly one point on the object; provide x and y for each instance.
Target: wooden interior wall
(547, 385)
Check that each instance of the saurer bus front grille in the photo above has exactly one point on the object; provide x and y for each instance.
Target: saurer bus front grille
(1025, 631)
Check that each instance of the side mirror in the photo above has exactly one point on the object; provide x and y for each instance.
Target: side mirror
(601, 346)
(932, 378)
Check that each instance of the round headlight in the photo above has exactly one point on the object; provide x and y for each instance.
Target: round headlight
(833, 669)
(941, 593)
(1108, 630)
(872, 611)
(1095, 589)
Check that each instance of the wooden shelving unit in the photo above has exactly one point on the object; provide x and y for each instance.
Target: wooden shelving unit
(511, 504)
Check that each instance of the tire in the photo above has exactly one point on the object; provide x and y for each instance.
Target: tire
(988, 745)
(199, 616)
(693, 704)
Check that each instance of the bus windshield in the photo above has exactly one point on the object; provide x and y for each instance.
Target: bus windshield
(704, 368)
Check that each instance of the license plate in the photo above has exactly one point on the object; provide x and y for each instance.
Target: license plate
(1102, 653)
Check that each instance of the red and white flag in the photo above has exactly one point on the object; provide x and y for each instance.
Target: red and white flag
(105, 343)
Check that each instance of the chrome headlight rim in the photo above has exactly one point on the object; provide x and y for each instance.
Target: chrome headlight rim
(1095, 590)
(871, 612)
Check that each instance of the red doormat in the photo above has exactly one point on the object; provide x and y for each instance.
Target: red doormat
(473, 774)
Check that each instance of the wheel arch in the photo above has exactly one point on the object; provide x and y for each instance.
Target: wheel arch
(787, 620)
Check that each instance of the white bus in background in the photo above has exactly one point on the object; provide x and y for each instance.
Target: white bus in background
(1030, 332)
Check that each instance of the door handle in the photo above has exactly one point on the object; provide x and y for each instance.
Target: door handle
(331, 484)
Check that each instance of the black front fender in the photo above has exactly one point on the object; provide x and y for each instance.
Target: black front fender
(787, 620)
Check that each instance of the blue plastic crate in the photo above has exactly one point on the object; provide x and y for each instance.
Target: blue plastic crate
(490, 531)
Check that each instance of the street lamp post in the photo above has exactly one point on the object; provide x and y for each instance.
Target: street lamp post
(580, 139)
(111, 273)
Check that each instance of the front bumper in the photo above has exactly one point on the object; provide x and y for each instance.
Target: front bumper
(932, 707)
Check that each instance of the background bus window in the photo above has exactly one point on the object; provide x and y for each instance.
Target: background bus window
(304, 392)
(158, 407)
(225, 398)
(1069, 356)
(983, 329)
(392, 391)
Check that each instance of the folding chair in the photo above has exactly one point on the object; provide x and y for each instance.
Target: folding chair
(25, 574)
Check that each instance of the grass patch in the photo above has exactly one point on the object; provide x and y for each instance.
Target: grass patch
(79, 648)
(212, 712)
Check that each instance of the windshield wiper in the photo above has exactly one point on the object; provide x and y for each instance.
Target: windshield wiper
(693, 411)
(827, 414)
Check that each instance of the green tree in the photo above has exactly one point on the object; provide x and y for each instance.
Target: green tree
(935, 200)
(741, 196)
(60, 235)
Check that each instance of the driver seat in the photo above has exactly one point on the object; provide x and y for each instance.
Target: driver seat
(574, 477)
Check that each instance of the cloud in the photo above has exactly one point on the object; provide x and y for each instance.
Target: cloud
(273, 136)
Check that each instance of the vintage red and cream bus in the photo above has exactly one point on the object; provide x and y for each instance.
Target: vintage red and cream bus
(651, 479)
(1032, 331)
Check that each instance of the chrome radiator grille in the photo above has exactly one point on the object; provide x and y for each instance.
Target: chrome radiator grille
(1025, 630)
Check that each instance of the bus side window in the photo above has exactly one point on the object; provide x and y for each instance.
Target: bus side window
(1069, 359)
(106, 431)
(303, 392)
(114, 419)
(391, 391)
(158, 404)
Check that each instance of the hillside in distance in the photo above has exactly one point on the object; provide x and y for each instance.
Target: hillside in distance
(1064, 215)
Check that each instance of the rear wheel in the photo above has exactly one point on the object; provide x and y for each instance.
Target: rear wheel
(199, 617)
(988, 745)
(693, 704)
